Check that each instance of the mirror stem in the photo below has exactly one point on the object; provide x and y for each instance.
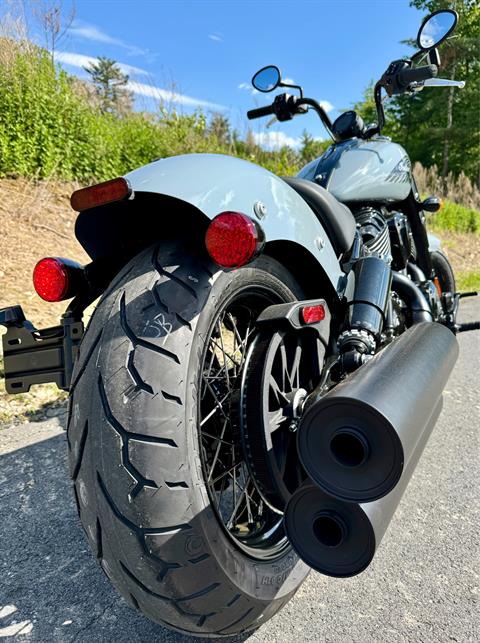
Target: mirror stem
(282, 84)
(434, 57)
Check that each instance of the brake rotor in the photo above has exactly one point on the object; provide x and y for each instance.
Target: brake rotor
(279, 370)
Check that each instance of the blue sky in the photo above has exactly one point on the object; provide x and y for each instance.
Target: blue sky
(209, 50)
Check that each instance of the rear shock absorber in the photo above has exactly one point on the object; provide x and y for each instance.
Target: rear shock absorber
(366, 318)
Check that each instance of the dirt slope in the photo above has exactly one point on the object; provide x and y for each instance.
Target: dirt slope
(36, 221)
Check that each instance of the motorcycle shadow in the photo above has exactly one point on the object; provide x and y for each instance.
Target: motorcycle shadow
(51, 588)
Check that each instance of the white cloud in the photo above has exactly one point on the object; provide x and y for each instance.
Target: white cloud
(275, 140)
(247, 87)
(215, 37)
(91, 32)
(327, 106)
(141, 89)
(169, 96)
(79, 60)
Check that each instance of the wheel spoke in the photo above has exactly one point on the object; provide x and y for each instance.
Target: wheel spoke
(294, 377)
(226, 473)
(217, 451)
(212, 358)
(235, 509)
(215, 437)
(279, 394)
(275, 420)
(217, 401)
(224, 353)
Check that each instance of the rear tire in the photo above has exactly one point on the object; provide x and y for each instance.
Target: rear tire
(134, 449)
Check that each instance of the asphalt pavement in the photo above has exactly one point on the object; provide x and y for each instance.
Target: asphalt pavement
(423, 585)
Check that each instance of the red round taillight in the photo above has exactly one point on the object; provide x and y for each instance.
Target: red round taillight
(51, 279)
(233, 239)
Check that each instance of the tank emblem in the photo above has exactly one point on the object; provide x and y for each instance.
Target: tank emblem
(401, 172)
(260, 209)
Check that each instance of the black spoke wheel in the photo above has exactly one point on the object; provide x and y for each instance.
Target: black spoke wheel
(280, 370)
(241, 509)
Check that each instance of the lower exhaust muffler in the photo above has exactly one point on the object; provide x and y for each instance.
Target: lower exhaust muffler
(339, 538)
(355, 441)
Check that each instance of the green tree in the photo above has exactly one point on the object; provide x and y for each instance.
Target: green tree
(311, 148)
(442, 126)
(366, 108)
(110, 86)
(219, 127)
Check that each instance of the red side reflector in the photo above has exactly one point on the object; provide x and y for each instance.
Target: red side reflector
(312, 314)
(233, 239)
(56, 279)
(101, 194)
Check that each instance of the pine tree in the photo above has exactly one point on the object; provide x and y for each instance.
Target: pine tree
(110, 86)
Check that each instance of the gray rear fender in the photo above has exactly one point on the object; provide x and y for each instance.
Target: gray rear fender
(203, 185)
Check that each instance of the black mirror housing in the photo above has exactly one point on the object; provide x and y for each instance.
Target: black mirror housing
(436, 28)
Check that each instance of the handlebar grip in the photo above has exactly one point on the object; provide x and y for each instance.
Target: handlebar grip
(261, 111)
(416, 75)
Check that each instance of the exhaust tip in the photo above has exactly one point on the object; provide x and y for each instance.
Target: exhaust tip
(349, 450)
(329, 529)
(332, 537)
(349, 447)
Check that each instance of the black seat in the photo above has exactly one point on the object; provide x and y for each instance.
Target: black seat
(336, 218)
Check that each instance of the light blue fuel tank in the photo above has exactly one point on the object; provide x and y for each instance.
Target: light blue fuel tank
(376, 170)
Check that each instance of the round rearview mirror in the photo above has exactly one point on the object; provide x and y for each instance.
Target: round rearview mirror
(267, 79)
(436, 28)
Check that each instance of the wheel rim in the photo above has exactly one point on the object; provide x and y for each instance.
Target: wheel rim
(240, 508)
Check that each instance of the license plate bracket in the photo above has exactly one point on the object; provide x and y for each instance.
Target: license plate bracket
(38, 356)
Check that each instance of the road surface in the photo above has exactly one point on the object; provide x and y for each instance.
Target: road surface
(422, 586)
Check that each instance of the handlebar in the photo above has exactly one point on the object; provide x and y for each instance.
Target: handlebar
(418, 74)
(285, 107)
(260, 111)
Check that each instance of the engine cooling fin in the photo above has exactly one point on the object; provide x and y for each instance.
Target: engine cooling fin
(374, 231)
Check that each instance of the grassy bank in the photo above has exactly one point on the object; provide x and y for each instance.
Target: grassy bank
(51, 128)
(454, 217)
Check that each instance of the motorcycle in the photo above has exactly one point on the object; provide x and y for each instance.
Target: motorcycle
(264, 366)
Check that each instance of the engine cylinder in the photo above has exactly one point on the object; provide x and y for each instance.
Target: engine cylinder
(375, 233)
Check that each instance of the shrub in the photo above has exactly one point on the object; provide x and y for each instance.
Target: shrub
(455, 218)
(51, 127)
(457, 189)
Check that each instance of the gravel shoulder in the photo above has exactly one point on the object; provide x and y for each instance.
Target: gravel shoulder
(422, 586)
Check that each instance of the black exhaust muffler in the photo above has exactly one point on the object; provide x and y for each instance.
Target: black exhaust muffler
(355, 441)
(339, 538)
